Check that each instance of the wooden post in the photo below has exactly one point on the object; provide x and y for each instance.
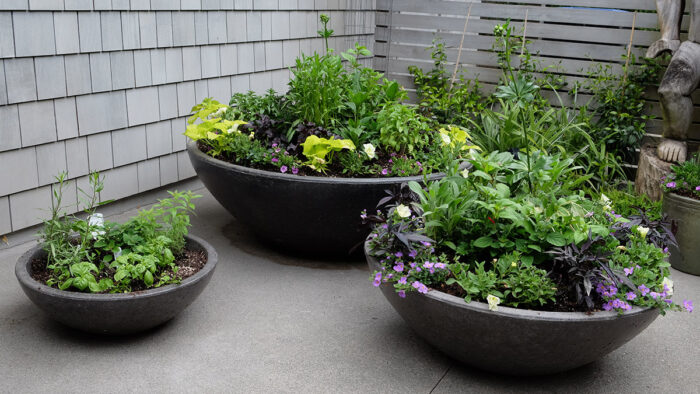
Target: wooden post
(461, 45)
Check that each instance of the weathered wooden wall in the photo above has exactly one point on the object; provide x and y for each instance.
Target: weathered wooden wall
(573, 34)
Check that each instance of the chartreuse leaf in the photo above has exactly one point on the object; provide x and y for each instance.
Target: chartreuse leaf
(316, 149)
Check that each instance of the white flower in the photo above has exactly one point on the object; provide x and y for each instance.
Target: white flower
(251, 135)
(96, 220)
(669, 285)
(403, 211)
(445, 138)
(606, 202)
(465, 173)
(369, 150)
(643, 231)
(219, 112)
(493, 302)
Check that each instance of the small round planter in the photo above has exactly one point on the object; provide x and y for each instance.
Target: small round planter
(685, 212)
(116, 314)
(307, 214)
(514, 341)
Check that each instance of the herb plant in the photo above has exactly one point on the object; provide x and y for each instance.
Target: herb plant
(97, 256)
(684, 178)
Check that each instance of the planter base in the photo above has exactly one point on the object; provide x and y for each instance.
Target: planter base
(685, 213)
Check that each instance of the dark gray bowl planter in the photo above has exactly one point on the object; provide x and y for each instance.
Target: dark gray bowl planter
(685, 212)
(116, 314)
(308, 214)
(514, 341)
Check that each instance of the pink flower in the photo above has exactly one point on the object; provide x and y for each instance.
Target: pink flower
(283, 169)
(295, 170)
(671, 185)
(275, 160)
(385, 171)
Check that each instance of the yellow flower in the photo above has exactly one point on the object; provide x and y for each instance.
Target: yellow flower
(251, 135)
(622, 247)
(403, 211)
(493, 302)
(369, 150)
(465, 173)
(513, 264)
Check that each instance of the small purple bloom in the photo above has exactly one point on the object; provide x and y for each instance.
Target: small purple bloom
(671, 185)
(283, 169)
(275, 160)
(274, 145)
(425, 243)
(688, 305)
(295, 170)
(441, 266)
(607, 306)
(412, 254)
(385, 171)
(666, 250)
(398, 267)
(402, 293)
(631, 295)
(628, 271)
(398, 254)
(420, 287)
(391, 161)
(654, 295)
(377, 279)
(402, 280)
(697, 188)
(643, 289)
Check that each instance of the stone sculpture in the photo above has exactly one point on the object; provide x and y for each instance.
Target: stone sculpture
(679, 81)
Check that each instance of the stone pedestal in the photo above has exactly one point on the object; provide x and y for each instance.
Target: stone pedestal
(649, 173)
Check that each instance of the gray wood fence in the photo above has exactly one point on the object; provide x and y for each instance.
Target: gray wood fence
(572, 35)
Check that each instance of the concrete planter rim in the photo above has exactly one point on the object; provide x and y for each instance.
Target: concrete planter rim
(687, 200)
(23, 266)
(194, 150)
(516, 313)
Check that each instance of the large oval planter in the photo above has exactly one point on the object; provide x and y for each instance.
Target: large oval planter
(685, 212)
(514, 341)
(308, 214)
(116, 313)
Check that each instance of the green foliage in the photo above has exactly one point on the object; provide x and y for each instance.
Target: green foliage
(617, 116)
(317, 89)
(212, 127)
(684, 178)
(402, 129)
(514, 282)
(97, 256)
(491, 212)
(442, 100)
(320, 151)
(627, 202)
(251, 106)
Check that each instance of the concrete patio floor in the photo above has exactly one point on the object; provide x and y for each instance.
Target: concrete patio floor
(269, 322)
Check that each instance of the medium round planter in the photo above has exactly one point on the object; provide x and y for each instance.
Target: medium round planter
(308, 214)
(685, 212)
(514, 341)
(116, 314)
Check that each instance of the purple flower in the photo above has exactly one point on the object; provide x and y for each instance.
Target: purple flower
(654, 295)
(398, 267)
(402, 293)
(643, 289)
(688, 305)
(420, 287)
(402, 280)
(412, 254)
(391, 161)
(628, 271)
(697, 189)
(666, 250)
(274, 145)
(425, 243)
(631, 295)
(377, 279)
(607, 306)
(385, 171)
(283, 169)
(441, 266)
(275, 160)
(671, 185)
(398, 254)
(295, 170)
